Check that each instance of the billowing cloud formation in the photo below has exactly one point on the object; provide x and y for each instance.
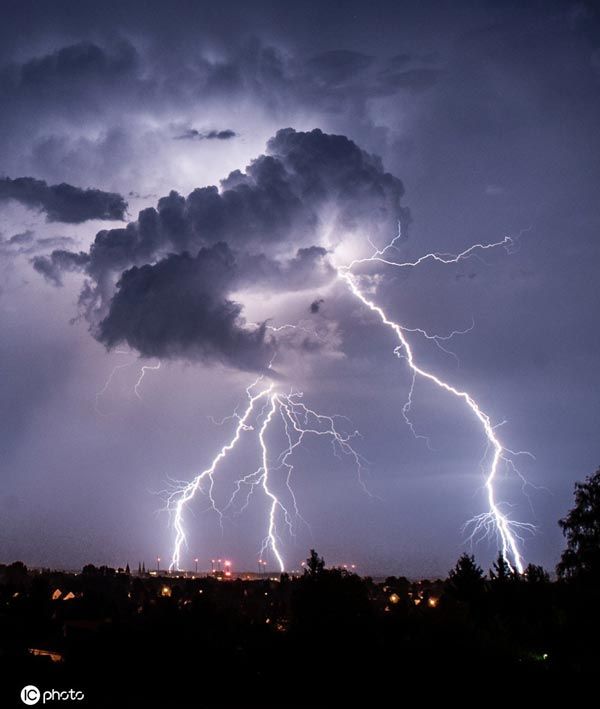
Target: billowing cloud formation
(179, 307)
(63, 203)
(163, 284)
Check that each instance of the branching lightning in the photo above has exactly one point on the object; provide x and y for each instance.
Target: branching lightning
(298, 421)
(136, 386)
(267, 405)
(494, 520)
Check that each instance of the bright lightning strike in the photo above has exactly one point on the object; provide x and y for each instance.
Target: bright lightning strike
(179, 499)
(494, 520)
(299, 421)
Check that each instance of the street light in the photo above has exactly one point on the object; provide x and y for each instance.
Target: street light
(196, 562)
(157, 564)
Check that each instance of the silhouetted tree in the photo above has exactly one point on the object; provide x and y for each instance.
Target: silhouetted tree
(581, 559)
(315, 564)
(501, 572)
(16, 573)
(18, 567)
(399, 585)
(536, 574)
(465, 580)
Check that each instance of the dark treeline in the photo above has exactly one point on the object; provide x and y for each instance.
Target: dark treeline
(324, 638)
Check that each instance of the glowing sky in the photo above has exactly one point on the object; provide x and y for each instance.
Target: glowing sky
(483, 118)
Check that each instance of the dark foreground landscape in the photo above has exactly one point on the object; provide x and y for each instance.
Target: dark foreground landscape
(321, 639)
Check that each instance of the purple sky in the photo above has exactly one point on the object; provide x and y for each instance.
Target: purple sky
(477, 119)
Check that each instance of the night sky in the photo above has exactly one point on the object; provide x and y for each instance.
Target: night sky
(176, 177)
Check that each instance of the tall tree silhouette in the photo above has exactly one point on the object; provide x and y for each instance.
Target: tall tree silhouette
(465, 580)
(501, 571)
(315, 564)
(581, 527)
(536, 574)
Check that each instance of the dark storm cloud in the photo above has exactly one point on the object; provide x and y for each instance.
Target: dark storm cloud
(315, 306)
(274, 204)
(179, 308)
(63, 203)
(83, 61)
(61, 261)
(72, 77)
(96, 97)
(193, 134)
(190, 253)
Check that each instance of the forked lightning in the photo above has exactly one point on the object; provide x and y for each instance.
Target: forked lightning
(299, 421)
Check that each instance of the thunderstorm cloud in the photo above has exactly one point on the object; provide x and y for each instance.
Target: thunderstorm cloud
(164, 284)
(488, 110)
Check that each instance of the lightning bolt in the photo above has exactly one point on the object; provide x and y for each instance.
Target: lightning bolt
(179, 499)
(136, 387)
(143, 371)
(270, 540)
(299, 421)
(494, 520)
(100, 393)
